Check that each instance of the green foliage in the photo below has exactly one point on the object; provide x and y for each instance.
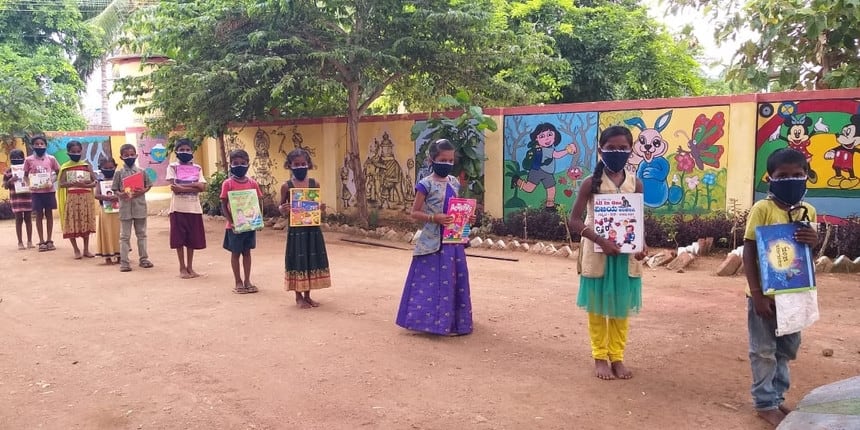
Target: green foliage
(613, 48)
(45, 51)
(466, 133)
(212, 196)
(794, 44)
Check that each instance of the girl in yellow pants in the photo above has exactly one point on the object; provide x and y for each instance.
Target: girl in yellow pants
(610, 285)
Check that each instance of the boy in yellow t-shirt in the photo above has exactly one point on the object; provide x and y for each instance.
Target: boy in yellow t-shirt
(769, 354)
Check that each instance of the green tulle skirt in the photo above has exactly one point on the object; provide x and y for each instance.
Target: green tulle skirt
(615, 295)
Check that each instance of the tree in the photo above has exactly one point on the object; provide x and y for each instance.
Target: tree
(44, 51)
(614, 50)
(797, 44)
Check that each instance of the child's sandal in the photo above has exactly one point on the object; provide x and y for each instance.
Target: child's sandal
(43, 247)
(49, 245)
(240, 290)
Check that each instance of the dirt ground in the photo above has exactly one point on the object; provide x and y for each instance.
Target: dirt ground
(87, 347)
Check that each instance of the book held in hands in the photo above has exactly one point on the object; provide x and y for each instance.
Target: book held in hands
(785, 265)
(620, 218)
(18, 174)
(245, 209)
(133, 183)
(461, 209)
(305, 207)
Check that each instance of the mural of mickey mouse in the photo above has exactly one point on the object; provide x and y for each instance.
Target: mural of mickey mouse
(843, 155)
(799, 132)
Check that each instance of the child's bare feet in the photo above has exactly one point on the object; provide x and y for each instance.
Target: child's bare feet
(89, 254)
(312, 303)
(108, 262)
(193, 274)
(602, 370)
(184, 274)
(302, 303)
(77, 255)
(772, 416)
(620, 371)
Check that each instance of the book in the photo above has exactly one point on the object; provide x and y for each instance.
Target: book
(108, 207)
(133, 183)
(461, 209)
(18, 174)
(785, 265)
(621, 219)
(76, 175)
(305, 207)
(41, 181)
(245, 209)
(187, 174)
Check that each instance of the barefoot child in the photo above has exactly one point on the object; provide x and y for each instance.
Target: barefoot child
(239, 244)
(436, 298)
(610, 284)
(107, 223)
(40, 173)
(22, 203)
(306, 261)
(75, 197)
(132, 209)
(186, 214)
(769, 354)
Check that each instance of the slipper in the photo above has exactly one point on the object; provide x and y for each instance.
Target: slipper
(252, 288)
(240, 290)
(125, 269)
(43, 247)
(146, 264)
(50, 245)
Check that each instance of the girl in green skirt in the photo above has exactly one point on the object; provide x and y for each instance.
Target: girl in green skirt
(306, 260)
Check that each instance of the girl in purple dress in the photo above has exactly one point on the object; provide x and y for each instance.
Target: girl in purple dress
(436, 295)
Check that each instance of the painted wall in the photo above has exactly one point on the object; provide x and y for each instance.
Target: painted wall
(828, 133)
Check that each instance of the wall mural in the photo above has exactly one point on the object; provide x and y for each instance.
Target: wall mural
(827, 132)
(388, 186)
(152, 157)
(678, 154)
(546, 158)
(95, 147)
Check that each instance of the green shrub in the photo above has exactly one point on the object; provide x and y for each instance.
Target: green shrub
(212, 196)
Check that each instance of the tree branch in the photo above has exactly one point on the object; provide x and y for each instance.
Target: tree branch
(378, 91)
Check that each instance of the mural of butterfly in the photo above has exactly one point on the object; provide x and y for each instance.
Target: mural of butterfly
(706, 132)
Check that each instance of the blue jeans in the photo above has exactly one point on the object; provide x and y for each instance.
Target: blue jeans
(769, 356)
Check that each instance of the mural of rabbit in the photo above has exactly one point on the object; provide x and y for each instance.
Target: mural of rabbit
(653, 170)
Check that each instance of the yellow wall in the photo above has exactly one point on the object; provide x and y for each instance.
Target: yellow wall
(741, 155)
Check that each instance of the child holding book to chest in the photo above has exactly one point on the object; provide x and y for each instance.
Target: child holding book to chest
(237, 240)
(436, 298)
(769, 353)
(610, 283)
(40, 174)
(131, 183)
(19, 196)
(186, 214)
(305, 260)
(107, 222)
(77, 212)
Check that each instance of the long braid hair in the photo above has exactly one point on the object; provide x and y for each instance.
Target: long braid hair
(605, 135)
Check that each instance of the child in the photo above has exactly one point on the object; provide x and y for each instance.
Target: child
(132, 209)
(436, 297)
(40, 173)
(77, 212)
(305, 261)
(541, 162)
(107, 223)
(22, 204)
(186, 214)
(769, 354)
(239, 244)
(610, 285)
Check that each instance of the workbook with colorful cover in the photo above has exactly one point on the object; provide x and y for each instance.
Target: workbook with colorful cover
(133, 182)
(18, 174)
(461, 209)
(305, 207)
(621, 219)
(785, 265)
(187, 174)
(107, 206)
(245, 208)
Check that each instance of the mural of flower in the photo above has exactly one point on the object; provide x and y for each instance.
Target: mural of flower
(562, 180)
(685, 162)
(709, 179)
(574, 173)
(692, 182)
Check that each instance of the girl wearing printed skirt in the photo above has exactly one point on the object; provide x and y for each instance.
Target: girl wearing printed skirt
(306, 260)
(77, 210)
(436, 297)
(107, 222)
(610, 285)
(22, 204)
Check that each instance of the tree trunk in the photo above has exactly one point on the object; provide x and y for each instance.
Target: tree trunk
(223, 163)
(352, 117)
(105, 96)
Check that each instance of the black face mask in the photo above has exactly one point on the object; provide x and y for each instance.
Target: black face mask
(75, 157)
(615, 160)
(40, 151)
(442, 169)
(300, 173)
(108, 174)
(239, 171)
(129, 161)
(789, 191)
(17, 161)
(184, 156)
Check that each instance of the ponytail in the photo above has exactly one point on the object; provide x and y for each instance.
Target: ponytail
(597, 177)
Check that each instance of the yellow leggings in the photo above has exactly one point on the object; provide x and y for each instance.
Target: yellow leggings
(608, 337)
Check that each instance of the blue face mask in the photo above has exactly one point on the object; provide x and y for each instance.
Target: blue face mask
(788, 191)
(615, 160)
(300, 173)
(442, 169)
